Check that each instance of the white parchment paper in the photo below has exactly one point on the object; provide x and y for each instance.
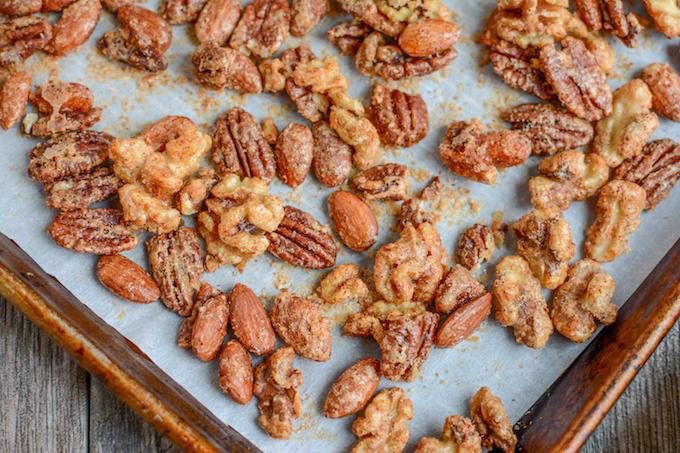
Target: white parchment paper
(519, 375)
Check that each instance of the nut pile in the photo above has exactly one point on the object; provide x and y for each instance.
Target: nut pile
(413, 298)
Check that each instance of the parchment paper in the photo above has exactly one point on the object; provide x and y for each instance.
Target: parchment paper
(519, 375)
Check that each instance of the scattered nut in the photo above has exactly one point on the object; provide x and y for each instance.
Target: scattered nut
(458, 435)
(74, 27)
(98, 231)
(219, 67)
(21, 37)
(348, 36)
(358, 132)
(126, 279)
(609, 15)
(666, 16)
(342, 284)
(269, 130)
(64, 107)
(458, 288)
(354, 221)
(400, 118)
(305, 14)
(428, 37)
(262, 29)
(273, 73)
(249, 321)
(463, 322)
(13, 98)
(492, 422)
(664, 84)
(352, 389)
(382, 182)
(179, 12)
(236, 372)
(81, 191)
(384, 423)
(217, 21)
(204, 294)
(332, 160)
(313, 106)
(475, 246)
(210, 327)
(294, 153)
(195, 191)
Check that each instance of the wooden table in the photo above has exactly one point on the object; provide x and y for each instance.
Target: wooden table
(49, 404)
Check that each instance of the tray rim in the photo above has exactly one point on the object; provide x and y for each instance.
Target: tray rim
(171, 410)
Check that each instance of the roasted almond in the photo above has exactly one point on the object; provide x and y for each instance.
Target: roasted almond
(126, 279)
(353, 219)
(462, 322)
(428, 37)
(236, 372)
(293, 151)
(210, 327)
(76, 24)
(352, 389)
(250, 322)
(13, 98)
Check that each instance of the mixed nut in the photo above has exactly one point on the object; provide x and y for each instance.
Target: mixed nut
(415, 300)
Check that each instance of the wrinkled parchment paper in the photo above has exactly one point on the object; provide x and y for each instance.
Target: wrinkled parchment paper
(519, 375)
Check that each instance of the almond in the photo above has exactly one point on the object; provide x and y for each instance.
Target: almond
(428, 37)
(74, 27)
(126, 279)
(236, 372)
(210, 327)
(353, 388)
(353, 219)
(462, 322)
(250, 322)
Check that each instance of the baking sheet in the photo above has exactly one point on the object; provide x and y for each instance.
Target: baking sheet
(518, 374)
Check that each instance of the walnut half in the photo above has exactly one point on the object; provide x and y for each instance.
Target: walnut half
(491, 420)
(384, 424)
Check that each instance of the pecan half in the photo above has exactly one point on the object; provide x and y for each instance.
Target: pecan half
(20, 8)
(217, 20)
(13, 98)
(458, 434)
(313, 106)
(384, 424)
(64, 107)
(519, 69)
(219, 67)
(550, 129)
(305, 14)
(458, 288)
(400, 118)
(21, 37)
(68, 155)
(332, 160)
(140, 42)
(98, 231)
(301, 324)
(294, 153)
(656, 170)
(178, 12)
(492, 421)
(74, 27)
(80, 191)
(383, 182)
(236, 372)
(577, 79)
(276, 387)
(239, 146)
(348, 36)
(475, 246)
(352, 389)
(176, 265)
(609, 15)
(664, 83)
(126, 279)
(302, 241)
(262, 29)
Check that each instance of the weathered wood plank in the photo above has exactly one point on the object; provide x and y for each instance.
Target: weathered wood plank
(43, 392)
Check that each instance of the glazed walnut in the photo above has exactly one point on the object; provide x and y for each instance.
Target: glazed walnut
(273, 73)
(411, 268)
(358, 132)
(342, 284)
(348, 36)
(623, 134)
(566, 177)
(617, 215)
(382, 182)
(262, 29)
(666, 16)
(305, 14)
(475, 246)
(219, 67)
(277, 386)
(384, 424)
(544, 240)
(400, 118)
(656, 170)
(519, 302)
(389, 16)
(492, 421)
(664, 84)
(193, 193)
(458, 435)
(458, 288)
(313, 106)
(234, 221)
(584, 298)
(404, 332)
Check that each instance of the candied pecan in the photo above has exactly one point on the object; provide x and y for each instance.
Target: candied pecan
(302, 241)
(64, 107)
(656, 170)
(140, 42)
(475, 246)
(505, 148)
(305, 14)
(412, 212)
(352, 389)
(217, 20)
(544, 240)
(219, 67)
(342, 284)
(236, 372)
(332, 160)
(551, 129)
(458, 288)
(21, 37)
(294, 152)
(68, 155)
(609, 15)
(178, 12)
(577, 79)
(273, 73)
(234, 220)
(269, 130)
(13, 98)
(623, 134)
(55, 5)
(205, 292)
(74, 27)
(384, 424)
(301, 324)
(276, 387)
(114, 5)
(666, 16)
(584, 298)
(458, 434)
(428, 37)
(403, 332)
(567, 176)
(313, 106)
(664, 84)
(175, 260)
(382, 182)
(98, 231)
(617, 215)
(20, 7)
(400, 118)
(239, 146)
(519, 69)
(194, 192)
(411, 268)
(348, 36)
(262, 29)
(144, 211)
(492, 422)
(80, 191)
(519, 303)
(358, 132)
(249, 321)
